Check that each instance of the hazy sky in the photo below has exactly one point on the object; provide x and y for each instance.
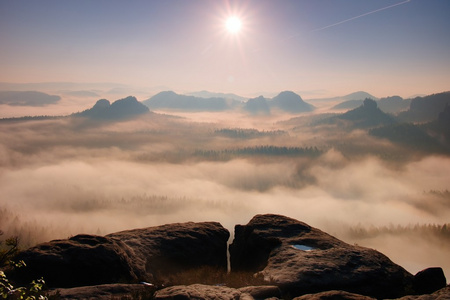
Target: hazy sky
(315, 47)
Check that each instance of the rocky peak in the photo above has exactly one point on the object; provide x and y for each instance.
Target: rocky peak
(290, 102)
(370, 104)
(121, 109)
(102, 104)
(257, 105)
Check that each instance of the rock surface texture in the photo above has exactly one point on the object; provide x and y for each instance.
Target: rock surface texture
(442, 294)
(197, 291)
(301, 259)
(334, 295)
(261, 292)
(104, 292)
(206, 292)
(177, 247)
(128, 256)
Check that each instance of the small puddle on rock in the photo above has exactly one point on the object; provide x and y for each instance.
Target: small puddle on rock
(303, 247)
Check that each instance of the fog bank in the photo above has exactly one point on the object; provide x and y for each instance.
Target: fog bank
(63, 177)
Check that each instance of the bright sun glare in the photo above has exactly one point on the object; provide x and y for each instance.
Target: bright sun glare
(233, 24)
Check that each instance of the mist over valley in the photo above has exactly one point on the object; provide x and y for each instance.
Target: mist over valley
(364, 175)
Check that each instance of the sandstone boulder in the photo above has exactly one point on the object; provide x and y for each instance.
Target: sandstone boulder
(80, 260)
(429, 280)
(129, 256)
(301, 259)
(176, 247)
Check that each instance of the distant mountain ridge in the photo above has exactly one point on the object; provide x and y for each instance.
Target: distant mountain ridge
(349, 104)
(440, 128)
(426, 109)
(173, 101)
(360, 95)
(417, 110)
(285, 101)
(366, 116)
(207, 94)
(27, 98)
(393, 104)
(81, 93)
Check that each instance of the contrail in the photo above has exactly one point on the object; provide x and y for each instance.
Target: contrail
(363, 15)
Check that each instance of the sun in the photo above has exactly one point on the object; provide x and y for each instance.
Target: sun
(233, 25)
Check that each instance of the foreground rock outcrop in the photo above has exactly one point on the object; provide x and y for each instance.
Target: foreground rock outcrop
(272, 257)
(146, 254)
(301, 259)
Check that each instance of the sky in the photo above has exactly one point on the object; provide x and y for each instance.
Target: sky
(317, 48)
